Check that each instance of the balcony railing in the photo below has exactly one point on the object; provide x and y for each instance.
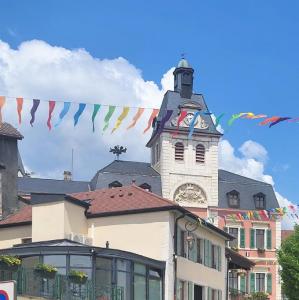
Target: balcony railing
(60, 288)
(237, 295)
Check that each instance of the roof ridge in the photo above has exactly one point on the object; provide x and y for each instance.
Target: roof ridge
(53, 179)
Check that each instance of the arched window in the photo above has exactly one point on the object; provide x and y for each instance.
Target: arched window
(200, 153)
(233, 198)
(146, 187)
(260, 201)
(179, 151)
(115, 184)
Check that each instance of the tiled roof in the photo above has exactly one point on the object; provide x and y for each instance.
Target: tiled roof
(124, 199)
(9, 131)
(24, 215)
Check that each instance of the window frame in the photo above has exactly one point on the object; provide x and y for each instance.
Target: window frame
(257, 199)
(179, 157)
(255, 238)
(233, 193)
(265, 281)
(198, 155)
(238, 238)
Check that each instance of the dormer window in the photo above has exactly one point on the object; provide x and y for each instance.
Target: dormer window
(200, 153)
(233, 199)
(146, 187)
(179, 151)
(260, 201)
(114, 184)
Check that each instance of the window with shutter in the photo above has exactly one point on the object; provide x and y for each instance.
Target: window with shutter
(243, 283)
(242, 238)
(269, 283)
(179, 151)
(200, 153)
(252, 238)
(269, 239)
(252, 282)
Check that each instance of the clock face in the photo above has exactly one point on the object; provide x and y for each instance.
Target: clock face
(189, 118)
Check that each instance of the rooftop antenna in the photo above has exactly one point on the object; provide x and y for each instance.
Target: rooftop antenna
(118, 150)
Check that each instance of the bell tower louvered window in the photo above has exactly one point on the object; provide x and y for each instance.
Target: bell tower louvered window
(200, 153)
(179, 151)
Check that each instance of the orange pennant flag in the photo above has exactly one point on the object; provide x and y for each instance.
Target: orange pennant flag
(136, 117)
(2, 102)
(19, 108)
(269, 120)
(151, 119)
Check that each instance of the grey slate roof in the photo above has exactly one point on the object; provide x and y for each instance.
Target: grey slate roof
(125, 172)
(172, 101)
(247, 188)
(8, 130)
(27, 185)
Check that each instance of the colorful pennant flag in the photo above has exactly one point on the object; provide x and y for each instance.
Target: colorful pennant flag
(64, 111)
(96, 108)
(79, 113)
(164, 121)
(192, 124)
(181, 118)
(218, 119)
(121, 117)
(20, 108)
(51, 108)
(234, 117)
(151, 119)
(2, 102)
(35, 105)
(108, 116)
(136, 117)
(269, 120)
(279, 120)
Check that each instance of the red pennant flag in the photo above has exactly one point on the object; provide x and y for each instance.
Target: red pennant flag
(51, 108)
(180, 120)
(151, 119)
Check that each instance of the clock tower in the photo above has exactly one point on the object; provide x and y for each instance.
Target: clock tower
(188, 165)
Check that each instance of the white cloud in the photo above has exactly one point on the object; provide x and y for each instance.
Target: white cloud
(39, 70)
(250, 162)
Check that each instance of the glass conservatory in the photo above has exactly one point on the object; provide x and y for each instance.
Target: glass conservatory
(111, 274)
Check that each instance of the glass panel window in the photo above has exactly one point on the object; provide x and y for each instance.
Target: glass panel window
(233, 280)
(103, 278)
(233, 198)
(180, 290)
(155, 285)
(200, 251)
(123, 281)
(123, 265)
(259, 200)
(58, 261)
(80, 261)
(260, 238)
(30, 262)
(260, 282)
(139, 287)
(140, 269)
(235, 233)
(103, 263)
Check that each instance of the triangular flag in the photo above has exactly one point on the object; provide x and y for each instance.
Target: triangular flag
(64, 111)
(96, 108)
(181, 118)
(121, 117)
(51, 108)
(136, 117)
(79, 113)
(151, 119)
(2, 102)
(108, 116)
(35, 105)
(192, 124)
(20, 108)
(164, 121)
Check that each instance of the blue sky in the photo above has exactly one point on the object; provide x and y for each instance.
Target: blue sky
(245, 55)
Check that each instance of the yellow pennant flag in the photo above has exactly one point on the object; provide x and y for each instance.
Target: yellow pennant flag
(121, 118)
(2, 102)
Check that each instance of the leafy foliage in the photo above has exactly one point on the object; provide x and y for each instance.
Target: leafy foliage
(45, 268)
(10, 260)
(288, 258)
(259, 296)
(78, 274)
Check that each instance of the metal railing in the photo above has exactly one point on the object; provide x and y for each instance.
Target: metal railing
(60, 287)
(237, 295)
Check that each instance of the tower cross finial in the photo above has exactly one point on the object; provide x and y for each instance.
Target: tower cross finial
(183, 55)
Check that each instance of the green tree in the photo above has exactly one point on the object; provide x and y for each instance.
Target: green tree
(288, 258)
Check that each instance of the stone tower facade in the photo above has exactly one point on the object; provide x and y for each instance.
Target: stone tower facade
(188, 164)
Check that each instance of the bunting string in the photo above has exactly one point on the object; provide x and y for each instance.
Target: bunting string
(163, 119)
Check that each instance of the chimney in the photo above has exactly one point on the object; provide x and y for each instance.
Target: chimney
(67, 176)
(9, 154)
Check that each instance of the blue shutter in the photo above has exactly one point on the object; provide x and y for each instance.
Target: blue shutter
(243, 283)
(252, 238)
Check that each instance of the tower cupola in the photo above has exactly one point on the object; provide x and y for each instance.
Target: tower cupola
(183, 79)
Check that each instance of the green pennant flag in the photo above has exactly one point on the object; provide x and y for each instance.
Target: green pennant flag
(108, 116)
(96, 108)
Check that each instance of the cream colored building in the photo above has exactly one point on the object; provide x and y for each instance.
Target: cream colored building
(132, 220)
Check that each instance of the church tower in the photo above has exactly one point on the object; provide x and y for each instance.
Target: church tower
(188, 165)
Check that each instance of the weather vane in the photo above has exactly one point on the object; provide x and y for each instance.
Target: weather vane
(118, 150)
